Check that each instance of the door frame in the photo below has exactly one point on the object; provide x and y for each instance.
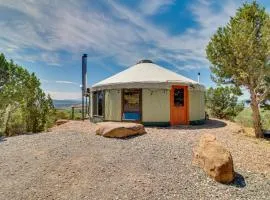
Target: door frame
(140, 106)
(186, 103)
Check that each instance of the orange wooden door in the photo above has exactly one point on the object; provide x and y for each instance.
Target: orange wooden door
(179, 105)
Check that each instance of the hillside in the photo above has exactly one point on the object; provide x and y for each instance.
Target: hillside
(65, 103)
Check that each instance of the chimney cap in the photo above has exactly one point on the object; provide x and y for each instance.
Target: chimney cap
(84, 55)
(145, 61)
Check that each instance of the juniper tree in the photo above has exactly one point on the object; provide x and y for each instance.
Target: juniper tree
(3, 71)
(222, 102)
(22, 97)
(240, 52)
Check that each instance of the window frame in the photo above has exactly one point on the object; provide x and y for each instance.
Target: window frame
(96, 103)
(179, 101)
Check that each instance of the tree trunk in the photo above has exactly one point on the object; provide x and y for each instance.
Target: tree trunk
(256, 115)
(6, 120)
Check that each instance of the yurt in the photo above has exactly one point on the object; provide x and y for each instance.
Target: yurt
(149, 94)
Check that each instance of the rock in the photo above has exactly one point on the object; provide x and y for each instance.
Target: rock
(119, 129)
(61, 121)
(214, 159)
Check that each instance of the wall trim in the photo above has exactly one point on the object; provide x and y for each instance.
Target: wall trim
(157, 124)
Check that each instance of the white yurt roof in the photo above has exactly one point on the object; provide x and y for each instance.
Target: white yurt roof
(145, 74)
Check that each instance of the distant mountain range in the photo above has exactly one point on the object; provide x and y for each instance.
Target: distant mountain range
(65, 103)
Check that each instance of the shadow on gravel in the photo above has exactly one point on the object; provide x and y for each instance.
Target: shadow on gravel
(131, 137)
(126, 138)
(2, 139)
(214, 123)
(209, 124)
(267, 134)
(239, 181)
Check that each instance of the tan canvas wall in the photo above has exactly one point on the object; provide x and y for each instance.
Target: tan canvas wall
(155, 105)
(91, 105)
(113, 105)
(196, 105)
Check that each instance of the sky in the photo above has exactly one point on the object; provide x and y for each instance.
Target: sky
(49, 37)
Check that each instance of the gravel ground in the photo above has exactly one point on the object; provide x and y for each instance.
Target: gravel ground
(71, 162)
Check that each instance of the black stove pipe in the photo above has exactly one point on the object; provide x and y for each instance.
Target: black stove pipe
(84, 82)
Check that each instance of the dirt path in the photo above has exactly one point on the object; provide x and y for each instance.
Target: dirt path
(71, 162)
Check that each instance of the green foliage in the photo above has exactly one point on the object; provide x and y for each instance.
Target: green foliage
(222, 102)
(4, 75)
(245, 118)
(16, 124)
(77, 114)
(63, 114)
(23, 104)
(67, 114)
(240, 54)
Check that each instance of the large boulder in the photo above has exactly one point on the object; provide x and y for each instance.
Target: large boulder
(119, 129)
(214, 159)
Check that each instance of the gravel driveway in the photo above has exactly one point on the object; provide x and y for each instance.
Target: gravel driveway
(71, 162)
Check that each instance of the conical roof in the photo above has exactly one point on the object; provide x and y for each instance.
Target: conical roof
(144, 74)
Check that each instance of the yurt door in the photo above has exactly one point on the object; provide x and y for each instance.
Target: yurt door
(179, 105)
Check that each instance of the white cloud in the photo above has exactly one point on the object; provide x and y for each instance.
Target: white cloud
(210, 19)
(67, 82)
(121, 34)
(151, 7)
(189, 67)
(188, 47)
(59, 82)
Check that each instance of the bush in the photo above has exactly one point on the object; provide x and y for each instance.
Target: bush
(16, 125)
(62, 114)
(24, 106)
(67, 114)
(245, 118)
(265, 114)
(222, 102)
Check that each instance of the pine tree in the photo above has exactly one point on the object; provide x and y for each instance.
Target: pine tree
(22, 102)
(239, 53)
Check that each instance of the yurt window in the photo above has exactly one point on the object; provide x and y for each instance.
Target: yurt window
(179, 97)
(98, 103)
(131, 105)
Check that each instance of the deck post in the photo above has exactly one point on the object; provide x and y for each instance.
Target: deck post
(72, 112)
(84, 81)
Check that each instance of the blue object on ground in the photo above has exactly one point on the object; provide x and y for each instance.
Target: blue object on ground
(133, 116)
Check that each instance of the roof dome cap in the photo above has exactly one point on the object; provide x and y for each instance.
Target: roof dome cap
(144, 61)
